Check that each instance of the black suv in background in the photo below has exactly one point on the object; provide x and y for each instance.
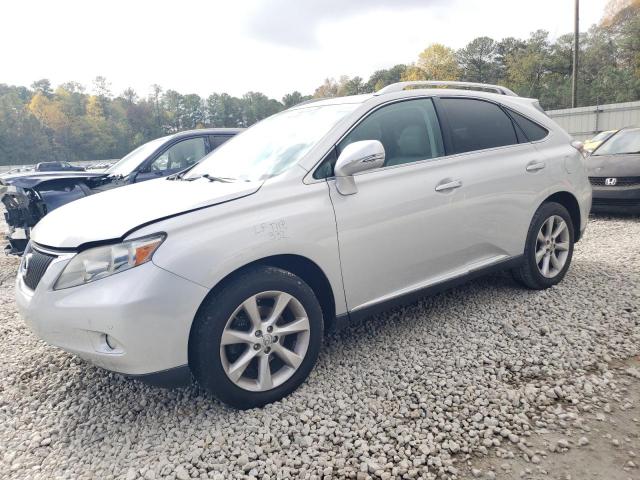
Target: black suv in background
(28, 198)
(57, 167)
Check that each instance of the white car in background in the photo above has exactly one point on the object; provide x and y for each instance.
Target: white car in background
(329, 211)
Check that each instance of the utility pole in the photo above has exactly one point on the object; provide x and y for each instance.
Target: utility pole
(576, 41)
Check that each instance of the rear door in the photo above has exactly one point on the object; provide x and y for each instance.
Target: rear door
(501, 172)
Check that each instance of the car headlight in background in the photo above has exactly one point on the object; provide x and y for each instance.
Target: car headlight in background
(101, 262)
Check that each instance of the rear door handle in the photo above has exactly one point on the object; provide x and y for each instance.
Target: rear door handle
(535, 166)
(443, 187)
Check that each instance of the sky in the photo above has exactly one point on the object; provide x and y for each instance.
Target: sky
(271, 46)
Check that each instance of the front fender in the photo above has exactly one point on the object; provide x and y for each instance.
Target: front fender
(206, 246)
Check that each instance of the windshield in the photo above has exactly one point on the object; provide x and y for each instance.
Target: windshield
(130, 161)
(602, 136)
(625, 141)
(271, 146)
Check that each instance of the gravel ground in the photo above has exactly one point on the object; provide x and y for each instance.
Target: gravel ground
(446, 387)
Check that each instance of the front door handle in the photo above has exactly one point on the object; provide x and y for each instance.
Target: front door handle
(535, 166)
(443, 187)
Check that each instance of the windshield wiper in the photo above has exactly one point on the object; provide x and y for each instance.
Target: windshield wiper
(620, 153)
(177, 176)
(211, 178)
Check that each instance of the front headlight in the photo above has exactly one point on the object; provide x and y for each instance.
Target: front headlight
(101, 262)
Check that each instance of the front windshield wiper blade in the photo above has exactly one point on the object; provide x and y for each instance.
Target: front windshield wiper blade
(617, 153)
(212, 178)
(177, 176)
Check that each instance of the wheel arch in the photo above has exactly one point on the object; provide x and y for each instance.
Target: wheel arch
(300, 266)
(570, 202)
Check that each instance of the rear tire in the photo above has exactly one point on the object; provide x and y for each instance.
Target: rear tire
(549, 248)
(256, 339)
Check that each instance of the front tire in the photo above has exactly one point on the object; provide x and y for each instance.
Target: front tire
(256, 339)
(549, 248)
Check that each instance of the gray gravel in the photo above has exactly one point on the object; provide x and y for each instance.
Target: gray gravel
(413, 393)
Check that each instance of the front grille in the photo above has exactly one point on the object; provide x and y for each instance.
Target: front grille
(616, 202)
(620, 181)
(35, 265)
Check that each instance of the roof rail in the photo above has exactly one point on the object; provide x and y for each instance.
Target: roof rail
(311, 100)
(485, 87)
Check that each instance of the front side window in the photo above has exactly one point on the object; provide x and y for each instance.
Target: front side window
(273, 145)
(408, 130)
(132, 160)
(477, 125)
(180, 155)
(623, 142)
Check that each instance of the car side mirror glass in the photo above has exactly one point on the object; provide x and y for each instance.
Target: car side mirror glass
(355, 158)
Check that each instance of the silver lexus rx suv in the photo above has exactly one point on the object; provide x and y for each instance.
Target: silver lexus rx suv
(326, 212)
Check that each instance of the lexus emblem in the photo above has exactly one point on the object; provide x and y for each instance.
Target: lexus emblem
(611, 182)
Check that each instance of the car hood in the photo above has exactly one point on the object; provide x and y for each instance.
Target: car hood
(30, 180)
(113, 214)
(614, 165)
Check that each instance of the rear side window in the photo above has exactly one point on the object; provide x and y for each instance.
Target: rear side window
(477, 125)
(531, 130)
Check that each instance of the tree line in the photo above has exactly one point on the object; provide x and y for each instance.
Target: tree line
(69, 123)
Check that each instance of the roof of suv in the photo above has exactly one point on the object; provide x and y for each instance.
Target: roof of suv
(446, 88)
(207, 131)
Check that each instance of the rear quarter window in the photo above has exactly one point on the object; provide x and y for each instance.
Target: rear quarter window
(531, 130)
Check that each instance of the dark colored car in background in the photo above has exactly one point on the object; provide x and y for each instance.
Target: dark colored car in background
(57, 167)
(614, 173)
(28, 198)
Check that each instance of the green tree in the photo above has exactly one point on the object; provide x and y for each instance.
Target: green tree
(192, 112)
(257, 106)
(350, 86)
(479, 61)
(43, 86)
(328, 89)
(23, 140)
(294, 98)
(384, 77)
(526, 70)
(223, 110)
(436, 62)
(130, 95)
(173, 104)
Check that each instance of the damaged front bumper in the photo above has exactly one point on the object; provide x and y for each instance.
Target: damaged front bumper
(22, 212)
(17, 240)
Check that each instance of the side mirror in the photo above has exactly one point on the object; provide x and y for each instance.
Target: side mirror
(357, 157)
(580, 147)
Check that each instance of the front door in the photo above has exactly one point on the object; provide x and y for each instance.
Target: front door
(398, 233)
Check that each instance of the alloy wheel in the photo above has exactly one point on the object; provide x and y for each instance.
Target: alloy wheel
(264, 341)
(552, 246)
